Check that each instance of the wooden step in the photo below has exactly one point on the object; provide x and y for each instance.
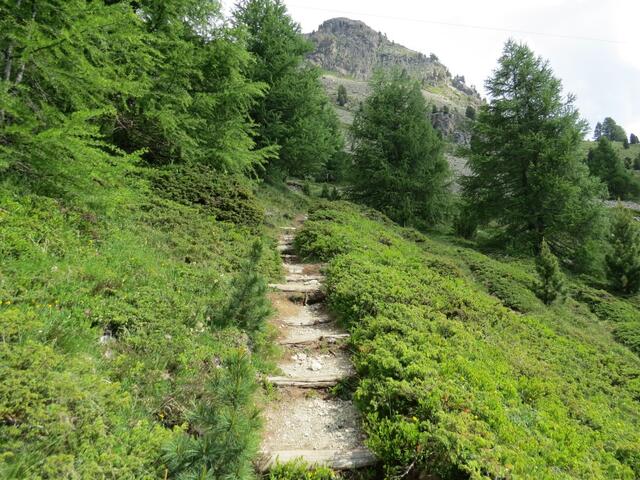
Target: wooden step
(312, 338)
(335, 459)
(300, 277)
(312, 381)
(296, 287)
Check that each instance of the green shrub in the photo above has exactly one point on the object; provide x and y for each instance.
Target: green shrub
(228, 198)
(104, 346)
(453, 384)
(247, 306)
(298, 470)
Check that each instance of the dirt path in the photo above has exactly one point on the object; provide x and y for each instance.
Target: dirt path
(305, 420)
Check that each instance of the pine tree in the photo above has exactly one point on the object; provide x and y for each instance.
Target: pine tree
(623, 259)
(605, 163)
(470, 112)
(612, 130)
(527, 174)
(223, 427)
(248, 306)
(551, 280)
(633, 139)
(399, 167)
(342, 95)
(597, 133)
(295, 116)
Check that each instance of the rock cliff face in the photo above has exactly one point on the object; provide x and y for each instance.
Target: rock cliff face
(350, 51)
(351, 48)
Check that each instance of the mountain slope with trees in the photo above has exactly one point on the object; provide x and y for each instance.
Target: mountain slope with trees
(144, 150)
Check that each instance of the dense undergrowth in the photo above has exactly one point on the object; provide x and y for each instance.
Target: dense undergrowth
(110, 362)
(463, 372)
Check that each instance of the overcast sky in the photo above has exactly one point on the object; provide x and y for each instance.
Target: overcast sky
(592, 45)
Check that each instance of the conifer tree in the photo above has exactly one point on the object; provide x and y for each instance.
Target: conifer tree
(551, 280)
(605, 163)
(470, 112)
(623, 259)
(222, 442)
(248, 306)
(597, 133)
(613, 131)
(342, 95)
(633, 139)
(527, 174)
(295, 115)
(399, 167)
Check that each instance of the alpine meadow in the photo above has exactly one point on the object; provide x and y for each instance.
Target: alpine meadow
(233, 250)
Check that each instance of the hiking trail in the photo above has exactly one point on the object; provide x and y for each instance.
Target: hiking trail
(306, 420)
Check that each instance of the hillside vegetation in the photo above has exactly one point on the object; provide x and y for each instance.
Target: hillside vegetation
(463, 371)
(147, 151)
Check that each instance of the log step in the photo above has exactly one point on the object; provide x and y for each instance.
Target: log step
(296, 287)
(312, 338)
(299, 277)
(316, 381)
(334, 459)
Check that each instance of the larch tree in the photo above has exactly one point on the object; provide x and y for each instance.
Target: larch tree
(399, 167)
(527, 175)
(295, 115)
(605, 163)
(623, 258)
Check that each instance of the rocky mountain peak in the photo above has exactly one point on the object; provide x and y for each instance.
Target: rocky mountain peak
(353, 49)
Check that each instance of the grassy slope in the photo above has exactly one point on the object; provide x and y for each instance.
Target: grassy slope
(464, 371)
(148, 271)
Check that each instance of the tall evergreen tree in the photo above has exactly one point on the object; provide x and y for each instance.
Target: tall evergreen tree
(198, 104)
(342, 95)
(623, 259)
(597, 132)
(399, 167)
(65, 68)
(551, 281)
(605, 163)
(295, 114)
(526, 172)
(613, 131)
(633, 139)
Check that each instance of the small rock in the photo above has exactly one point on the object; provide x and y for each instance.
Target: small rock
(315, 365)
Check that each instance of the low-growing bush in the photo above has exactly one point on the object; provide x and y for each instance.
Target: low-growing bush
(454, 384)
(228, 198)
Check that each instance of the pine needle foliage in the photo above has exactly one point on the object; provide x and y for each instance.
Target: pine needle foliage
(605, 163)
(528, 176)
(551, 282)
(398, 162)
(248, 306)
(295, 116)
(623, 259)
(342, 95)
(222, 439)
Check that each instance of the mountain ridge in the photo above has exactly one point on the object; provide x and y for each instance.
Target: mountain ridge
(349, 51)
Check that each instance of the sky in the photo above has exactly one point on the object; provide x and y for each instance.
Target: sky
(593, 46)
